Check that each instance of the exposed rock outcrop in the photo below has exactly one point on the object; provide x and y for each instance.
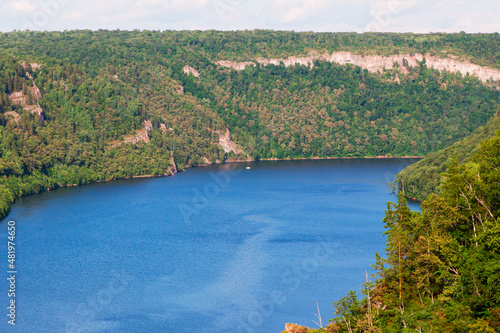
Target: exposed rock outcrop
(227, 143)
(206, 160)
(190, 70)
(179, 89)
(20, 98)
(147, 125)
(163, 128)
(375, 63)
(173, 166)
(33, 66)
(141, 135)
(294, 328)
(13, 116)
(236, 65)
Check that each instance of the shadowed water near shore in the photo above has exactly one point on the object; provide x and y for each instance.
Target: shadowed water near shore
(215, 249)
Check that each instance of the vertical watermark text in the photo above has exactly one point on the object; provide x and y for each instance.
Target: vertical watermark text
(11, 272)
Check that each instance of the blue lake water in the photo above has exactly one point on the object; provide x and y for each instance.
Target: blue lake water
(214, 249)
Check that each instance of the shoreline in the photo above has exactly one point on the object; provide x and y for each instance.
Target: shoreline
(314, 159)
(204, 165)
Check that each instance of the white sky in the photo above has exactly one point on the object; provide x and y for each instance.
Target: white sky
(298, 15)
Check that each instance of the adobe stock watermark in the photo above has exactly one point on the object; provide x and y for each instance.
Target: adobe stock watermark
(382, 16)
(86, 312)
(203, 196)
(46, 10)
(292, 280)
(222, 7)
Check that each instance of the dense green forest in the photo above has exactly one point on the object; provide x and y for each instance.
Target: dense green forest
(441, 272)
(333, 110)
(421, 179)
(96, 49)
(78, 107)
(86, 106)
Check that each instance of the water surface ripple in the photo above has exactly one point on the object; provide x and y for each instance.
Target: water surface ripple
(214, 249)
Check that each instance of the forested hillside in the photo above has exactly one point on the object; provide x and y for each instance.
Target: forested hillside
(82, 133)
(441, 271)
(333, 110)
(85, 106)
(421, 179)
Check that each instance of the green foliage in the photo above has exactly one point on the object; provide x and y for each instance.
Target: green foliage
(420, 179)
(6, 200)
(341, 111)
(442, 266)
(86, 120)
(442, 270)
(98, 87)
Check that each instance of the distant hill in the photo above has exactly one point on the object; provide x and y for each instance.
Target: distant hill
(421, 179)
(87, 106)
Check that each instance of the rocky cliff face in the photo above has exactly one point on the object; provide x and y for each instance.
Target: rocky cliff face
(375, 63)
(227, 143)
(163, 128)
(142, 135)
(236, 65)
(20, 98)
(13, 116)
(294, 328)
(173, 166)
(190, 70)
(34, 91)
(147, 125)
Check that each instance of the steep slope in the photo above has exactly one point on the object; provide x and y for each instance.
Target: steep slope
(334, 110)
(95, 129)
(421, 179)
(103, 105)
(375, 63)
(441, 269)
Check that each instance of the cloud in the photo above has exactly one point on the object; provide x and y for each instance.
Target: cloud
(295, 10)
(393, 7)
(429, 16)
(298, 15)
(447, 3)
(22, 6)
(130, 14)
